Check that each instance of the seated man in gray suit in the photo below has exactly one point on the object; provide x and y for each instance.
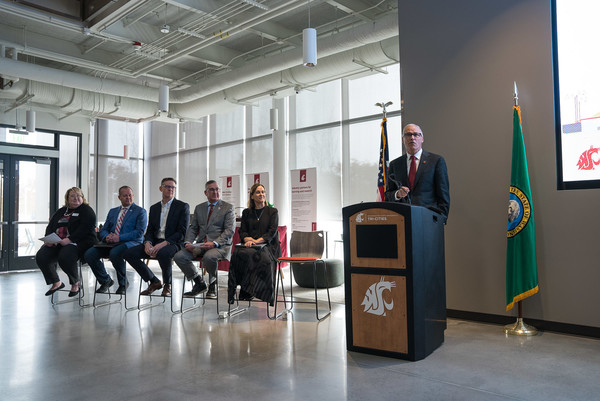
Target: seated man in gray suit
(209, 236)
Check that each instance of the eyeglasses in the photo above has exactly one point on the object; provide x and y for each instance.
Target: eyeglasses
(413, 134)
(213, 189)
(173, 187)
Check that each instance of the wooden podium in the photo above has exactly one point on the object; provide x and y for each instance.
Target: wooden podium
(395, 279)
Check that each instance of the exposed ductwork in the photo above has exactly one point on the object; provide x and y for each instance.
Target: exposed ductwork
(66, 92)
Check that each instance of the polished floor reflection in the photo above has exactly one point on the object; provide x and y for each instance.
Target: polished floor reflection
(65, 352)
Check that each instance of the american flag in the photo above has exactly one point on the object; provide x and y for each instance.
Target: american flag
(384, 161)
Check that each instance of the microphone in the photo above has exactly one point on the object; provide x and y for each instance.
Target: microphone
(392, 177)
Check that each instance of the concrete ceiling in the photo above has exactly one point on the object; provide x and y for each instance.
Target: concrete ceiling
(107, 58)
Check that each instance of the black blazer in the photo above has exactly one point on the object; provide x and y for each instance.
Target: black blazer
(265, 227)
(81, 226)
(431, 189)
(178, 220)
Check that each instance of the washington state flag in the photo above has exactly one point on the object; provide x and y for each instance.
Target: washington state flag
(521, 265)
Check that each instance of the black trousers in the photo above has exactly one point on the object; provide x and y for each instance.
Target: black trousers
(66, 256)
(135, 255)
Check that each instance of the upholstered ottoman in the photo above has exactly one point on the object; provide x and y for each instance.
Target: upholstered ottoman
(303, 273)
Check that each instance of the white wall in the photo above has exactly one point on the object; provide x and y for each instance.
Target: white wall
(458, 63)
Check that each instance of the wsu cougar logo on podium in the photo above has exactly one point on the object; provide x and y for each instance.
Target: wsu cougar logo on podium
(373, 300)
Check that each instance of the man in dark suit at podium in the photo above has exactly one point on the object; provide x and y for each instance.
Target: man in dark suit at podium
(418, 177)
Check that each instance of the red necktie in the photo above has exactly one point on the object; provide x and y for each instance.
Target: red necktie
(209, 213)
(210, 210)
(412, 173)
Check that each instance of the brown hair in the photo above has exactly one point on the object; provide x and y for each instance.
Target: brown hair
(252, 190)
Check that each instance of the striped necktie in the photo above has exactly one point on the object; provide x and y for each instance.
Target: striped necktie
(120, 220)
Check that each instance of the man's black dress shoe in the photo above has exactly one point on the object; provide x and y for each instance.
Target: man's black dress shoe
(52, 291)
(105, 286)
(212, 293)
(198, 288)
(122, 288)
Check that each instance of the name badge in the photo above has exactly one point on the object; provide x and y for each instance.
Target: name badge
(75, 214)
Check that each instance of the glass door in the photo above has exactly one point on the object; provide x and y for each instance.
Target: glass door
(28, 188)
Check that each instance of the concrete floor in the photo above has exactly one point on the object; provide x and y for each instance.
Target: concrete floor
(66, 352)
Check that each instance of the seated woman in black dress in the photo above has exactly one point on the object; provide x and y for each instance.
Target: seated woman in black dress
(75, 224)
(252, 261)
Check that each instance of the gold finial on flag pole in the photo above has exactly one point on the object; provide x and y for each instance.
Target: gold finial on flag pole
(383, 106)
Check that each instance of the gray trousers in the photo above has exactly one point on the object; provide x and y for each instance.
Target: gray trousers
(210, 260)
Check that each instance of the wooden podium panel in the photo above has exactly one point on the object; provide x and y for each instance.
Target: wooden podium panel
(383, 231)
(379, 312)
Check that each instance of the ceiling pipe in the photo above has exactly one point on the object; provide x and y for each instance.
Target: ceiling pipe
(75, 80)
(67, 100)
(383, 29)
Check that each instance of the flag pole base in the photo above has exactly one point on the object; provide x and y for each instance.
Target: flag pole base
(519, 328)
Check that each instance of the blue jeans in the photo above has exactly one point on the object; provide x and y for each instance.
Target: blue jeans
(93, 257)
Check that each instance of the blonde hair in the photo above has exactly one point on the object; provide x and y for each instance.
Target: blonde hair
(253, 188)
(78, 191)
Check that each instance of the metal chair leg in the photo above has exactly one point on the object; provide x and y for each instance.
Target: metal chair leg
(143, 306)
(327, 287)
(109, 302)
(79, 297)
(195, 305)
(286, 310)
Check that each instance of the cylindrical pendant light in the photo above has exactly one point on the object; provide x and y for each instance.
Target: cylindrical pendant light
(274, 121)
(30, 121)
(309, 47)
(163, 98)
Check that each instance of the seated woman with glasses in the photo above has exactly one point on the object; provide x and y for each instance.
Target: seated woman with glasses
(253, 259)
(75, 227)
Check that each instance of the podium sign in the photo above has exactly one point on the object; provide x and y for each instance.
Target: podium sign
(383, 327)
(395, 280)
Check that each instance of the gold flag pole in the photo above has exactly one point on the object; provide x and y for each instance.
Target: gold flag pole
(519, 328)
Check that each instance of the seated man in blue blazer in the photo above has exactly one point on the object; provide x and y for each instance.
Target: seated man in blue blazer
(167, 224)
(124, 227)
(419, 177)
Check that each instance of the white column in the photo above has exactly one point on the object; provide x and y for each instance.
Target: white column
(280, 164)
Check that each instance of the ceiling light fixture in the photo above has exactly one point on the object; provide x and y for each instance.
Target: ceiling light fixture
(163, 98)
(165, 28)
(256, 4)
(309, 44)
(30, 120)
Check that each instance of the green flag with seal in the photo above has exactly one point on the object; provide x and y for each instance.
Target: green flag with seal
(521, 265)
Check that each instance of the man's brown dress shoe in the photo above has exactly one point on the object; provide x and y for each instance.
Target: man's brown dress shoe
(151, 288)
(166, 290)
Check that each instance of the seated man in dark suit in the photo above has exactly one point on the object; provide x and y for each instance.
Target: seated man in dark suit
(209, 236)
(419, 177)
(167, 224)
(124, 228)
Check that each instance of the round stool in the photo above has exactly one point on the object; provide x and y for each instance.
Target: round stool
(303, 273)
